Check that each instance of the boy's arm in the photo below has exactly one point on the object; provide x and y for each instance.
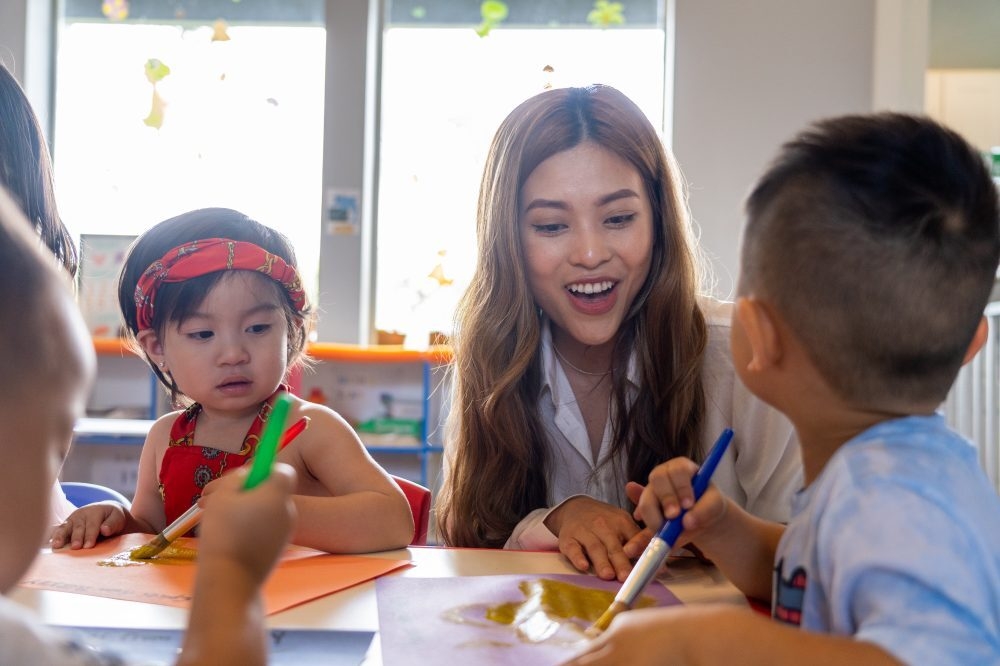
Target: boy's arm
(227, 617)
(241, 536)
(741, 545)
(720, 634)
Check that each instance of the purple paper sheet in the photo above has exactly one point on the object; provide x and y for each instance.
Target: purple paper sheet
(433, 621)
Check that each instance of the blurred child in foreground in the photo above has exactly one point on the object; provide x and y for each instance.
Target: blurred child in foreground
(26, 172)
(48, 366)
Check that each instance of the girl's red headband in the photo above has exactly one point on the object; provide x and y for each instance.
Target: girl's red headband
(211, 255)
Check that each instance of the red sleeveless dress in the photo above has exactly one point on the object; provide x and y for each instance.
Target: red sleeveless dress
(187, 468)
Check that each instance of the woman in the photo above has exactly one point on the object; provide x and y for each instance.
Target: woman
(584, 355)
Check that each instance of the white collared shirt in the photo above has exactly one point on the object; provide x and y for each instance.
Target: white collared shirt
(761, 470)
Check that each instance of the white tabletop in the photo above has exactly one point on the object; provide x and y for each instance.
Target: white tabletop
(355, 608)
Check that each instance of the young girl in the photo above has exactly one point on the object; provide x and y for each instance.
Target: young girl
(213, 301)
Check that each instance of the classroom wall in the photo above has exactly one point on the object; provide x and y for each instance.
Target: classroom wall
(965, 34)
(346, 260)
(744, 84)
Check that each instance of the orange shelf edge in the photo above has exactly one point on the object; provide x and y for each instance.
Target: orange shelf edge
(326, 351)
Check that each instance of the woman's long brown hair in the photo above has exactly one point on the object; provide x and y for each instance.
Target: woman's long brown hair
(497, 467)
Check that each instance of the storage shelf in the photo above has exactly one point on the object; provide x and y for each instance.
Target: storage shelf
(132, 432)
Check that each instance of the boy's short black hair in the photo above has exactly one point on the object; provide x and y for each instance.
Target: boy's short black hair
(877, 237)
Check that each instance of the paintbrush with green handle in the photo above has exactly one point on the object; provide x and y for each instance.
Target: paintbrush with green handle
(260, 469)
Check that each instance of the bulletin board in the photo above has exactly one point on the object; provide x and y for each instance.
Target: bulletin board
(101, 259)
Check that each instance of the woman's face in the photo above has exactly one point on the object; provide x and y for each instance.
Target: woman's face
(586, 229)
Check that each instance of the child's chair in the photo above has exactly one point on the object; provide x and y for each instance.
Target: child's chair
(80, 493)
(420, 504)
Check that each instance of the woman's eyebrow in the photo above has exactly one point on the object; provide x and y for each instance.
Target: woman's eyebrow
(546, 203)
(623, 193)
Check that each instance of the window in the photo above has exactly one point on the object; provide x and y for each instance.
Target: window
(445, 89)
(234, 118)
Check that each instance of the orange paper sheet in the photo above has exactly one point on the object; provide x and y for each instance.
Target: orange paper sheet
(301, 575)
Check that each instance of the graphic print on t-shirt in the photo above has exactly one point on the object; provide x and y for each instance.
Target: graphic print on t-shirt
(788, 594)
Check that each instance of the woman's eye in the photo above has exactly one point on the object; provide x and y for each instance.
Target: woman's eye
(259, 328)
(553, 228)
(620, 220)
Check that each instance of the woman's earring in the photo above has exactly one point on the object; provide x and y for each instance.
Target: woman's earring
(161, 364)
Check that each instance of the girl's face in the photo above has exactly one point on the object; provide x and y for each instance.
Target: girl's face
(586, 228)
(231, 353)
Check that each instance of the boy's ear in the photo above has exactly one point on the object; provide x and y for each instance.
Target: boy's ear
(150, 343)
(978, 340)
(761, 332)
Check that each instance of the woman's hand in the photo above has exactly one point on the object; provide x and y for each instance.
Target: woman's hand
(591, 535)
(87, 524)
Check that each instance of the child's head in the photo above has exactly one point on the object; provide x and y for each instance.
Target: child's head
(173, 267)
(47, 363)
(877, 239)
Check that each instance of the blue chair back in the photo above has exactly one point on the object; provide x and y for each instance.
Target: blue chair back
(80, 493)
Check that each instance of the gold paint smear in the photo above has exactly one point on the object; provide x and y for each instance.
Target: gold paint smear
(172, 554)
(550, 605)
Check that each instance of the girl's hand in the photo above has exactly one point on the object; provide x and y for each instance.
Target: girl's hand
(591, 534)
(88, 524)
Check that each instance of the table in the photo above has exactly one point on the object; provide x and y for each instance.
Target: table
(355, 608)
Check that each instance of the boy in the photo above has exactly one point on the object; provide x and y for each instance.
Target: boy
(869, 253)
(47, 364)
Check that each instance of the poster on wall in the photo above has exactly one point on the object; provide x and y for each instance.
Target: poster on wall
(101, 258)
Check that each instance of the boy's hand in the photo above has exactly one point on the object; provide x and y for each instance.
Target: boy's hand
(650, 636)
(668, 491)
(637, 638)
(591, 534)
(248, 528)
(87, 524)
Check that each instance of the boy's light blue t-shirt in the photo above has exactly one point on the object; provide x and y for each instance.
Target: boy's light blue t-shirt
(897, 542)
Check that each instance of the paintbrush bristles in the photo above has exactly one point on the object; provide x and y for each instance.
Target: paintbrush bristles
(604, 621)
(150, 550)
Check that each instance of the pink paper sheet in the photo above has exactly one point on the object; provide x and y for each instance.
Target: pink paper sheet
(302, 574)
(417, 622)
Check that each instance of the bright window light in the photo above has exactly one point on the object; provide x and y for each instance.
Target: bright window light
(241, 126)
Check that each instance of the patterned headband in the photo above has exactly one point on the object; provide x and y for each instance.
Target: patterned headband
(211, 255)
